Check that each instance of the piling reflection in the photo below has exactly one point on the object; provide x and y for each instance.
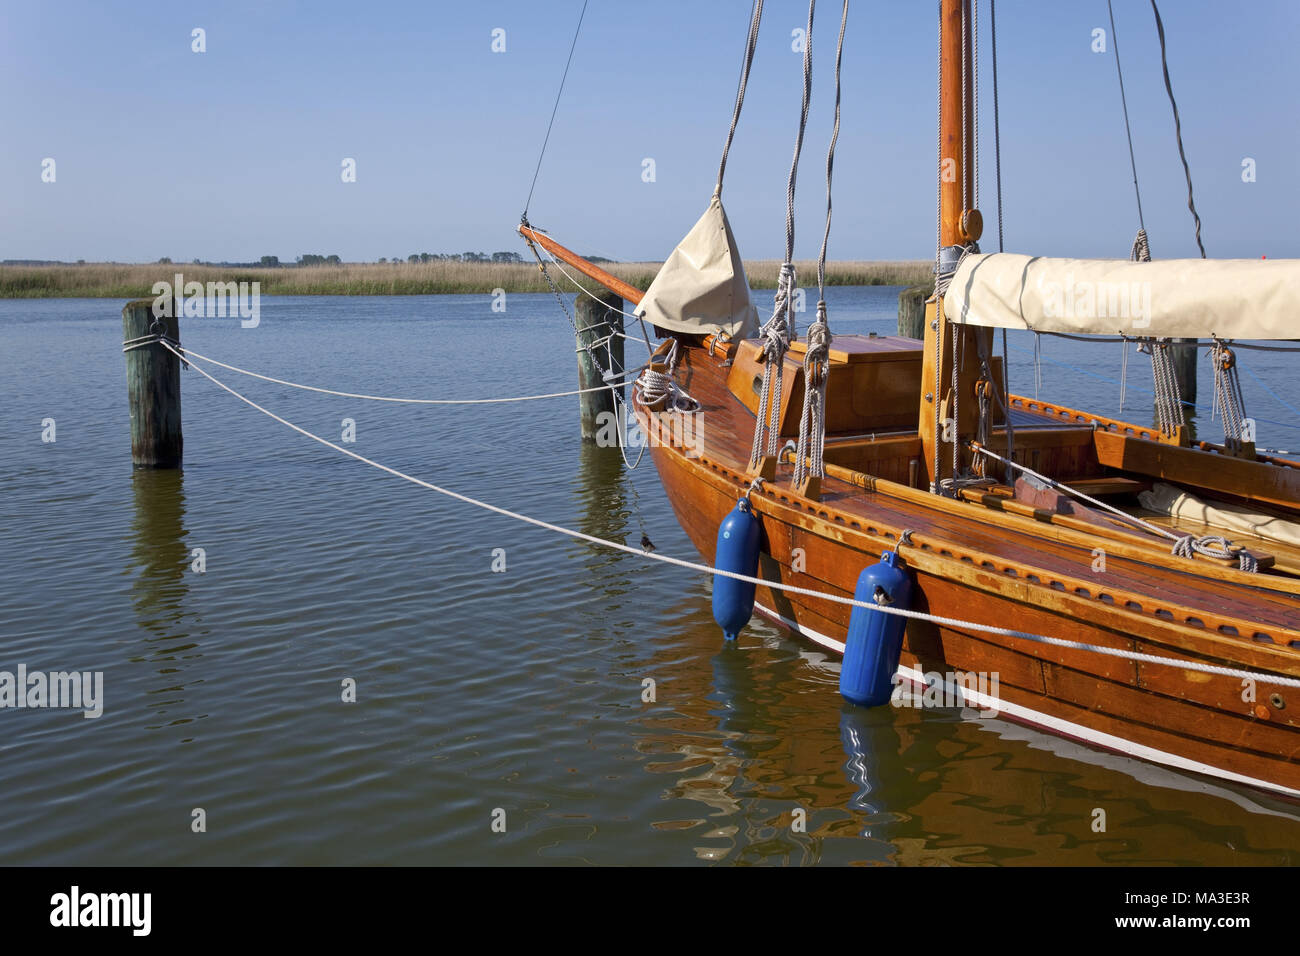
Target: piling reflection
(601, 487)
(160, 566)
(159, 556)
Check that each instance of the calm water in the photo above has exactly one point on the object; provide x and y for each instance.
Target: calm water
(476, 691)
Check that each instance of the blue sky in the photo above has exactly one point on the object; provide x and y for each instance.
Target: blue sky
(236, 153)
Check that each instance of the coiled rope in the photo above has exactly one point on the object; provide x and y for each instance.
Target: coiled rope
(1259, 676)
(655, 386)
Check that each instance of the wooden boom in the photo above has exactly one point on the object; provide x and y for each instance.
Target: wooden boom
(590, 270)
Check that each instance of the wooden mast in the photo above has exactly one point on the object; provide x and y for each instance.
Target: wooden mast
(958, 226)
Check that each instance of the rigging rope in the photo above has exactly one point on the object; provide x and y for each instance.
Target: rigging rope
(1192, 405)
(756, 15)
(956, 411)
(1228, 400)
(1178, 126)
(1038, 363)
(1103, 339)
(1123, 373)
(830, 154)
(938, 247)
(554, 109)
(1140, 251)
(816, 361)
(579, 286)
(965, 137)
(1259, 676)
(606, 374)
(1114, 39)
(798, 142)
(778, 331)
(975, 101)
(1169, 399)
(1005, 384)
(997, 138)
(1004, 402)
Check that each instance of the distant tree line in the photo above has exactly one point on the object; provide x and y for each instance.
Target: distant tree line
(461, 257)
(313, 259)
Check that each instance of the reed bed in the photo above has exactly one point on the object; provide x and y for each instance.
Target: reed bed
(127, 281)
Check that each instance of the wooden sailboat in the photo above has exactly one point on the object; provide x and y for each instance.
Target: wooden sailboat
(999, 551)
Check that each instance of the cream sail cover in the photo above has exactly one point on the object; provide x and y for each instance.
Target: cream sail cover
(1192, 298)
(702, 288)
(1169, 500)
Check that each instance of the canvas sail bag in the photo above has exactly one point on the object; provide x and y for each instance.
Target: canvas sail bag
(702, 288)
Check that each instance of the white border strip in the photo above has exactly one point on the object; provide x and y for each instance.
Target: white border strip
(1054, 724)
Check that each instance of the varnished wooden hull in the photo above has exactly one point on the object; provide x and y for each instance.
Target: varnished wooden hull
(1190, 720)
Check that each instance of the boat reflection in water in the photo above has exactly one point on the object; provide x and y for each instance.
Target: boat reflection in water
(754, 732)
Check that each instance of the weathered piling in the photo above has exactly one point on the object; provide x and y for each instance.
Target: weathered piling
(911, 311)
(1184, 354)
(600, 327)
(153, 386)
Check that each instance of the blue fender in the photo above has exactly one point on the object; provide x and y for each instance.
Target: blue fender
(739, 536)
(875, 639)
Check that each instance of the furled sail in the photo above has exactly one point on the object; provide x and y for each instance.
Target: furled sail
(1169, 500)
(702, 288)
(1230, 298)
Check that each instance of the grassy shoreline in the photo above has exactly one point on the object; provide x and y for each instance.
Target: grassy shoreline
(133, 281)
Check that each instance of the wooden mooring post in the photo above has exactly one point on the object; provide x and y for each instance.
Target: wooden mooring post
(911, 311)
(1184, 354)
(153, 386)
(600, 327)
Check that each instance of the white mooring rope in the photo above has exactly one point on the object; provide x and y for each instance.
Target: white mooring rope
(625, 379)
(1259, 676)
